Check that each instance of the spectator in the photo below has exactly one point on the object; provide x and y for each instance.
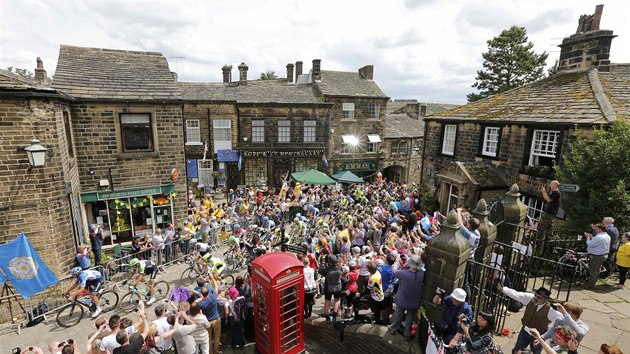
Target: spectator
(407, 298)
(571, 312)
(597, 247)
(83, 257)
(547, 218)
(237, 313)
(332, 287)
(162, 326)
(181, 334)
(96, 240)
(564, 337)
(478, 338)
(200, 334)
(623, 260)
(469, 231)
(310, 288)
(375, 293)
(455, 306)
(208, 305)
(132, 344)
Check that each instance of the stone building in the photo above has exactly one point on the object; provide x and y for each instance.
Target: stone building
(42, 202)
(516, 136)
(279, 127)
(404, 129)
(357, 120)
(126, 115)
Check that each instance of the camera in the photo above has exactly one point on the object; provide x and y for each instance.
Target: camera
(463, 319)
(16, 350)
(553, 306)
(440, 291)
(70, 341)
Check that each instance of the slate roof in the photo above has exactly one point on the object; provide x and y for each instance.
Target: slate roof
(484, 175)
(400, 125)
(342, 83)
(9, 80)
(584, 96)
(96, 73)
(256, 91)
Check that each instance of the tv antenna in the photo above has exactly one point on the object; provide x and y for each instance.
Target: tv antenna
(177, 59)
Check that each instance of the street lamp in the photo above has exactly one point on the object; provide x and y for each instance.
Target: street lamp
(36, 154)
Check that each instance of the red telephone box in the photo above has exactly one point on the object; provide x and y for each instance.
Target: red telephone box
(278, 293)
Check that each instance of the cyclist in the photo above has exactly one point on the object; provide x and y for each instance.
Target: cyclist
(88, 281)
(142, 268)
(235, 247)
(213, 265)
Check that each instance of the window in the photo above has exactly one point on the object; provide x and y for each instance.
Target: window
(284, 131)
(193, 132)
(205, 173)
(534, 206)
(374, 110)
(222, 134)
(66, 127)
(402, 147)
(394, 147)
(544, 147)
(255, 172)
(448, 142)
(453, 197)
(349, 142)
(310, 130)
(373, 141)
(258, 131)
(490, 141)
(137, 134)
(348, 110)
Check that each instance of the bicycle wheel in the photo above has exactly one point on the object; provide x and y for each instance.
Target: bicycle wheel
(188, 276)
(108, 300)
(227, 281)
(70, 315)
(129, 302)
(161, 289)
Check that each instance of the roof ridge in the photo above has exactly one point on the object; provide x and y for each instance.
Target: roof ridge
(24, 80)
(113, 50)
(600, 95)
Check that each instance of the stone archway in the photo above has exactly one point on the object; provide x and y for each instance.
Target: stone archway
(395, 173)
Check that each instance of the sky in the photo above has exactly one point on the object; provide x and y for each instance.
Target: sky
(429, 50)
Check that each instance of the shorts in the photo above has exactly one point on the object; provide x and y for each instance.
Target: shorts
(151, 270)
(93, 285)
(329, 295)
(203, 253)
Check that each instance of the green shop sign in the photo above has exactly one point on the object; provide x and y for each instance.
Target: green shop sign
(357, 165)
(127, 193)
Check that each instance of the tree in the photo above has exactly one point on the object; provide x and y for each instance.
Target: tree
(269, 75)
(21, 72)
(599, 165)
(509, 62)
(553, 69)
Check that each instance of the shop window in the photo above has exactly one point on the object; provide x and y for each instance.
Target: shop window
(305, 164)
(120, 219)
(141, 216)
(310, 129)
(137, 133)
(204, 169)
(256, 172)
(193, 131)
(258, 131)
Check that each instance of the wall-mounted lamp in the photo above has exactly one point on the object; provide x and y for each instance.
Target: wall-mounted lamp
(36, 154)
(245, 139)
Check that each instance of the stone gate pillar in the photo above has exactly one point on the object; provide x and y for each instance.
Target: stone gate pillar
(487, 230)
(446, 256)
(515, 214)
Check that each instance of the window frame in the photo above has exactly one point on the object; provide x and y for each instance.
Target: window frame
(310, 131)
(484, 140)
(284, 131)
(445, 127)
(190, 131)
(123, 126)
(204, 173)
(533, 155)
(347, 110)
(258, 131)
(374, 111)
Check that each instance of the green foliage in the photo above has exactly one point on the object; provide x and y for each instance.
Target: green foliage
(553, 69)
(510, 62)
(21, 72)
(269, 75)
(601, 167)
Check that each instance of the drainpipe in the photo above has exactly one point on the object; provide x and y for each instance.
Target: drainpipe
(424, 147)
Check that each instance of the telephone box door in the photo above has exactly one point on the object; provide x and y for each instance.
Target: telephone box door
(291, 331)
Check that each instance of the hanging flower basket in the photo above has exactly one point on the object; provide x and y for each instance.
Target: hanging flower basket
(118, 204)
(161, 201)
(140, 202)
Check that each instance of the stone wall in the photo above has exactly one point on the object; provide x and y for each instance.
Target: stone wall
(36, 202)
(205, 113)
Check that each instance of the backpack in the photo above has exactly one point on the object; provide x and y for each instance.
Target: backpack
(240, 308)
(36, 315)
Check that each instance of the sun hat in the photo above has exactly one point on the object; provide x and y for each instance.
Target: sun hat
(414, 262)
(233, 292)
(352, 264)
(459, 294)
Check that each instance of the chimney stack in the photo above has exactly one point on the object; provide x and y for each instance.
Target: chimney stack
(290, 72)
(227, 73)
(317, 69)
(589, 46)
(367, 72)
(174, 75)
(40, 73)
(298, 70)
(242, 69)
(423, 110)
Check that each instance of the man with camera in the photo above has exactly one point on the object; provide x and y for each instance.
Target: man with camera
(597, 246)
(456, 306)
(96, 241)
(538, 314)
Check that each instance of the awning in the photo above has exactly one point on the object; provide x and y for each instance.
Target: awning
(374, 138)
(227, 155)
(127, 193)
(350, 139)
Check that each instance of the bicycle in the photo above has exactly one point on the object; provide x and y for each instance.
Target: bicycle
(234, 261)
(130, 300)
(72, 313)
(195, 271)
(573, 266)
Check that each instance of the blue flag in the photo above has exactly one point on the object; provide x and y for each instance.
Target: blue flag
(3, 279)
(240, 161)
(24, 269)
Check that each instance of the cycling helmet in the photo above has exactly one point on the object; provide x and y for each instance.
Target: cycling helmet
(231, 239)
(133, 262)
(237, 226)
(265, 218)
(76, 270)
(366, 249)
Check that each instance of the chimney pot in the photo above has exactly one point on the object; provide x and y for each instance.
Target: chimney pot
(367, 72)
(298, 69)
(40, 73)
(227, 73)
(243, 73)
(317, 67)
(289, 72)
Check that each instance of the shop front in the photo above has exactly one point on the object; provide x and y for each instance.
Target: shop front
(270, 167)
(361, 168)
(130, 212)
